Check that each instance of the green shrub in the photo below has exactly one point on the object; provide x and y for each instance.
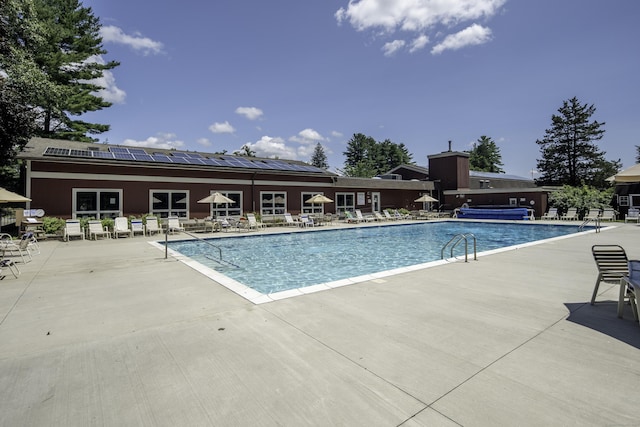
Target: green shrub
(52, 225)
(583, 198)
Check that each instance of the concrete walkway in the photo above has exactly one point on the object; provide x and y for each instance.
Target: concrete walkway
(109, 333)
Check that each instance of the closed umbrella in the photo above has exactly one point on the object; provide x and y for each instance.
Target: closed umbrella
(425, 198)
(319, 198)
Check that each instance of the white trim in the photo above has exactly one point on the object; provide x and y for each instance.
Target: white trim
(178, 179)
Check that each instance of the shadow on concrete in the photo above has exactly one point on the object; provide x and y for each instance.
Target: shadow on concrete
(603, 317)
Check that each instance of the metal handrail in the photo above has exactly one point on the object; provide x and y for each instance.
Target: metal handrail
(166, 242)
(588, 220)
(455, 240)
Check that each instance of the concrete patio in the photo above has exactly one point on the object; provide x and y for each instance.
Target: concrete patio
(109, 333)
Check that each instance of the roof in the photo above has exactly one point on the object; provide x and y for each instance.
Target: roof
(63, 150)
(494, 175)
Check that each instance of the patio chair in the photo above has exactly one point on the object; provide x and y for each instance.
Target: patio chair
(254, 224)
(137, 227)
(289, 221)
(379, 216)
(592, 214)
(363, 218)
(388, 216)
(96, 229)
(72, 228)
(152, 225)
(570, 215)
(9, 265)
(608, 214)
(552, 213)
(612, 264)
(632, 214)
(22, 248)
(173, 224)
(348, 217)
(306, 221)
(630, 288)
(121, 226)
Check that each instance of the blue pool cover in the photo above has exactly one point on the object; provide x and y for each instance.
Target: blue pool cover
(476, 213)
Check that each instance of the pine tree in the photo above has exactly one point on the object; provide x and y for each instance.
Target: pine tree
(68, 57)
(569, 153)
(367, 158)
(485, 156)
(319, 158)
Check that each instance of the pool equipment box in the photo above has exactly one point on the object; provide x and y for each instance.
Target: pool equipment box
(475, 213)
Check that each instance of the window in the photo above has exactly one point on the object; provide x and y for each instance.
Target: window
(623, 200)
(634, 200)
(165, 203)
(345, 202)
(513, 201)
(311, 208)
(96, 203)
(228, 209)
(273, 203)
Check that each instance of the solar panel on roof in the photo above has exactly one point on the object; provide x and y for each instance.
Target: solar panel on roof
(118, 150)
(177, 159)
(102, 154)
(53, 151)
(194, 161)
(79, 153)
(137, 151)
(160, 158)
(178, 154)
(142, 157)
(194, 155)
(123, 156)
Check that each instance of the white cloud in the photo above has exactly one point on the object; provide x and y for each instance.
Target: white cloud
(418, 43)
(162, 140)
(113, 34)
(473, 35)
(336, 134)
(273, 147)
(110, 92)
(251, 113)
(222, 128)
(204, 142)
(307, 136)
(392, 47)
(414, 16)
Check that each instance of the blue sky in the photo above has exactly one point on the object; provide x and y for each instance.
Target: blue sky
(282, 75)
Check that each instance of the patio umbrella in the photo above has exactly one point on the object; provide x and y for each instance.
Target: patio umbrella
(216, 198)
(631, 174)
(7, 196)
(319, 198)
(425, 198)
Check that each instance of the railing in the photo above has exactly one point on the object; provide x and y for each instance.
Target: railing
(455, 240)
(166, 243)
(596, 221)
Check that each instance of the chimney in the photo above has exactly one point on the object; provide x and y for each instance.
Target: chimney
(449, 145)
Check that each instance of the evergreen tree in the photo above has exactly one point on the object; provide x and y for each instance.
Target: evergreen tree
(637, 153)
(367, 158)
(245, 151)
(319, 158)
(485, 156)
(569, 153)
(69, 58)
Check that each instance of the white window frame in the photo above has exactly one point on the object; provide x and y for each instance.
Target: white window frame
(342, 205)
(271, 206)
(98, 213)
(171, 210)
(623, 200)
(223, 210)
(310, 208)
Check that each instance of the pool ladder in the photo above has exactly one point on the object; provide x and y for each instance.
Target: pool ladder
(166, 243)
(455, 240)
(596, 221)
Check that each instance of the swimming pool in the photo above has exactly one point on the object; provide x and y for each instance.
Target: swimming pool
(274, 263)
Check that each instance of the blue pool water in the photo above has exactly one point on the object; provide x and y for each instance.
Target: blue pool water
(270, 263)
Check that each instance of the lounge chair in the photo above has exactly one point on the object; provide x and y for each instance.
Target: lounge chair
(173, 224)
(608, 214)
(289, 221)
(363, 218)
(612, 263)
(306, 221)
(389, 216)
(632, 214)
(631, 286)
(552, 213)
(152, 225)
(22, 248)
(137, 227)
(571, 215)
(121, 226)
(592, 214)
(9, 265)
(350, 218)
(72, 228)
(96, 229)
(399, 215)
(379, 216)
(254, 224)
